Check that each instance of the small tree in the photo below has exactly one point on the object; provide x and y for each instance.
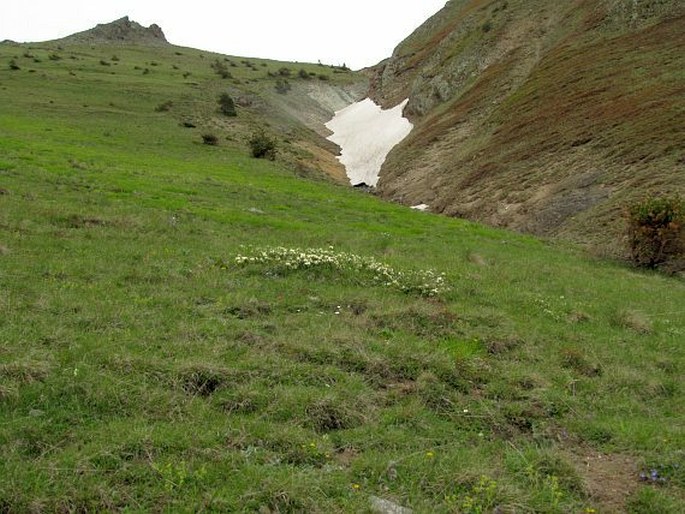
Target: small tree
(227, 105)
(656, 231)
(262, 145)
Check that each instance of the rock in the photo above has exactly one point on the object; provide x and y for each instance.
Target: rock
(363, 186)
(381, 506)
(122, 30)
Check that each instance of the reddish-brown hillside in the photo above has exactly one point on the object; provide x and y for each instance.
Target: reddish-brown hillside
(539, 115)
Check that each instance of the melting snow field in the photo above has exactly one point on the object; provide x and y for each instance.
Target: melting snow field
(366, 134)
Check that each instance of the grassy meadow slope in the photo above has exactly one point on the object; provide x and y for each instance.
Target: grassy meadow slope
(143, 369)
(543, 116)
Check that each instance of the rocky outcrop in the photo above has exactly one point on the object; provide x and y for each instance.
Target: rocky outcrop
(122, 30)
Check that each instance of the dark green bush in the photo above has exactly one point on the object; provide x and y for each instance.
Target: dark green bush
(221, 69)
(282, 86)
(227, 105)
(262, 145)
(655, 231)
(13, 65)
(303, 74)
(210, 139)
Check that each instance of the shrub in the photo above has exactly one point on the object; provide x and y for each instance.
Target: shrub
(303, 74)
(282, 86)
(210, 139)
(262, 145)
(655, 231)
(13, 65)
(363, 270)
(164, 106)
(227, 105)
(221, 69)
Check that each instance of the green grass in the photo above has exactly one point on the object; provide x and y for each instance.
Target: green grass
(141, 369)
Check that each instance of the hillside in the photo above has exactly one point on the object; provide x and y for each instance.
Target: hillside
(290, 101)
(542, 116)
(185, 328)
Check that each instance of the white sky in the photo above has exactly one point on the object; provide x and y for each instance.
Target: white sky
(356, 32)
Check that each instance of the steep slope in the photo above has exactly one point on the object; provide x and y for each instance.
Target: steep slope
(542, 116)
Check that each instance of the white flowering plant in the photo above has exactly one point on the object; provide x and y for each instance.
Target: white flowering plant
(365, 270)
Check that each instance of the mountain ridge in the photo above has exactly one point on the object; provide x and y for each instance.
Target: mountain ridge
(539, 116)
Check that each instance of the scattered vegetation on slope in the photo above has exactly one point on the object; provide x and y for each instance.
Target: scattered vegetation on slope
(142, 368)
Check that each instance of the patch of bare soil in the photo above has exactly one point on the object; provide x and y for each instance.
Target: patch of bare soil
(325, 161)
(609, 479)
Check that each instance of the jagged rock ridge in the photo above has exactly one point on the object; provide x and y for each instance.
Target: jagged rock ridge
(122, 30)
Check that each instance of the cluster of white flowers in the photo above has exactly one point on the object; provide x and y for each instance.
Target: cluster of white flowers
(423, 282)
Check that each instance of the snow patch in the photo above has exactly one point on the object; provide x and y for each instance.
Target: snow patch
(366, 133)
(421, 207)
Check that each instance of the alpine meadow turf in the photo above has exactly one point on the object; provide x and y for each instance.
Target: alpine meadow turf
(157, 352)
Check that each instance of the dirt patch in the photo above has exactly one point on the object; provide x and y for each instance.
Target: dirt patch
(608, 479)
(346, 456)
(325, 161)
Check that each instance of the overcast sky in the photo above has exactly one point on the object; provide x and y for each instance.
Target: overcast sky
(358, 33)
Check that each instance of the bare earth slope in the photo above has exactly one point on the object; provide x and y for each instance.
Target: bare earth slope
(540, 115)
